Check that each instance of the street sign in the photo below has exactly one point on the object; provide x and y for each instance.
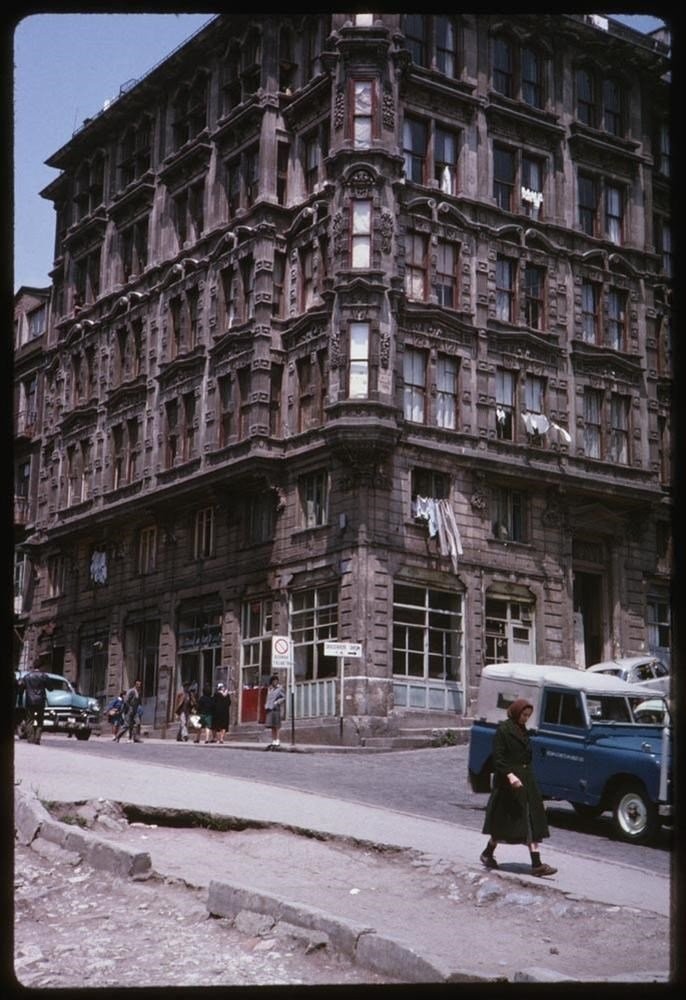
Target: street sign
(282, 652)
(343, 649)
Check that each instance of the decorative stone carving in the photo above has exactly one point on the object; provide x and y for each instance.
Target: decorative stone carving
(388, 110)
(386, 231)
(338, 233)
(479, 500)
(339, 108)
(385, 350)
(335, 348)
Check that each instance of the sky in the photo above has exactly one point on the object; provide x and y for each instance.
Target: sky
(65, 67)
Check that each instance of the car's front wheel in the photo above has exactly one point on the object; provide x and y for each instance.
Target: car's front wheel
(83, 734)
(634, 817)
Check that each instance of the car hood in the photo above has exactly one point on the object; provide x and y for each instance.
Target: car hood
(641, 739)
(65, 699)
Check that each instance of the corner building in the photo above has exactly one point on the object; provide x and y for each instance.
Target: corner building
(360, 331)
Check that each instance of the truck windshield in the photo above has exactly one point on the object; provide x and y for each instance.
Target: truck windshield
(608, 708)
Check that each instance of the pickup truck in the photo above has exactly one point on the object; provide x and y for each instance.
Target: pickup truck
(589, 748)
(66, 711)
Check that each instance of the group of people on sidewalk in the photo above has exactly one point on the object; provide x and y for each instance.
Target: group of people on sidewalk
(208, 714)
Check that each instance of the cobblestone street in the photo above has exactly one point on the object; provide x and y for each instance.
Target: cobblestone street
(75, 927)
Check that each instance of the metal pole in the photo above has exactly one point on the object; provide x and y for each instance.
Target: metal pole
(340, 665)
(291, 675)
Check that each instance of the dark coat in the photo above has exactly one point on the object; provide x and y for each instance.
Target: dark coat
(514, 815)
(221, 710)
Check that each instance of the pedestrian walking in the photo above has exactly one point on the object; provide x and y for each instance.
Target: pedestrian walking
(276, 697)
(515, 813)
(132, 703)
(115, 712)
(184, 706)
(205, 711)
(220, 712)
(34, 685)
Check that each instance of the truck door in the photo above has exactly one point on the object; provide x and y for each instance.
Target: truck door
(560, 746)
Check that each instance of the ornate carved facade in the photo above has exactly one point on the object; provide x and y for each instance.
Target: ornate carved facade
(359, 331)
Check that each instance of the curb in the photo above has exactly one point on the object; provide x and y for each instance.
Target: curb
(35, 827)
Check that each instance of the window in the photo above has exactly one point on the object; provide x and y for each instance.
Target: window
(275, 389)
(427, 633)
(233, 187)
(531, 186)
(189, 213)
(616, 319)
(588, 204)
(358, 379)
(505, 270)
(172, 450)
(663, 150)
(361, 233)
(532, 78)
(231, 84)
(504, 404)
(251, 174)
(283, 152)
(314, 620)
(307, 393)
(134, 152)
(534, 296)
(363, 110)
(364, 20)
(658, 621)
(226, 425)
(203, 538)
(509, 516)
(315, 149)
(56, 575)
(261, 517)
(134, 248)
(518, 72)
(502, 67)
(147, 550)
(414, 395)
(614, 213)
(279, 278)
(429, 483)
(563, 709)
(593, 408)
(256, 643)
(590, 297)
(117, 456)
(252, 63)
(141, 651)
(133, 452)
(306, 257)
(89, 186)
(445, 287)
(612, 108)
(664, 450)
(37, 320)
(503, 177)
(599, 101)
(243, 381)
(87, 278)
(247, 269)
(509, 628)
(534, 405)
(447, 369)
(189, 111)
(445, 160)
(415, 136)
(618, 450)
(314, 499)
(415, 27)
(190, 442)
(416, 265)
(446, 44)
(601, 208)
(663, 244)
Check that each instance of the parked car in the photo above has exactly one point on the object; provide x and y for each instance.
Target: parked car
(590, 745)
(654, 711)
(645, 670)
(66, 711)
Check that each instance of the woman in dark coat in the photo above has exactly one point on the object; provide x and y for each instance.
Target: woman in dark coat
(222, 702)
(515, 813)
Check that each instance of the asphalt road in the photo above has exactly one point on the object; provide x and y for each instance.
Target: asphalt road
(429, 783)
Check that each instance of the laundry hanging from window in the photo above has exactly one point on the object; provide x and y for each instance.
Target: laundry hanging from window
(441, 521)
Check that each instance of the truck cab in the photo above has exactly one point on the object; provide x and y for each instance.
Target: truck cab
(591, 746)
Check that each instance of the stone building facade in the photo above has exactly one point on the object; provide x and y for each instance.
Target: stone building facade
(360, 331)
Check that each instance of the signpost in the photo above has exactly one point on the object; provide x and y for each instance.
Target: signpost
(282, 659)
(340, 650)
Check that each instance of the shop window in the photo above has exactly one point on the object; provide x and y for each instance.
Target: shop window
(314, 621)
(427, 633)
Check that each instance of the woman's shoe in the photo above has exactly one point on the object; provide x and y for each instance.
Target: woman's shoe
(542, 869)
(488, 861)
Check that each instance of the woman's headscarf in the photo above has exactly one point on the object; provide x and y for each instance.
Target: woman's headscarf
(516, 708)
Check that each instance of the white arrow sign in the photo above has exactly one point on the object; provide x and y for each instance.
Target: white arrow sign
(343, 649)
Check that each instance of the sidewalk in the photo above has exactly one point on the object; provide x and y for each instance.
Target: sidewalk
(63, 778)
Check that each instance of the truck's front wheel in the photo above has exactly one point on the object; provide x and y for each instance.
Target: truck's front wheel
(634, 817)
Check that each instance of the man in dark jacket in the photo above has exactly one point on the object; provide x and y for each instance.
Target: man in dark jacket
(34, 684)
(515, 812)
(132, 701)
